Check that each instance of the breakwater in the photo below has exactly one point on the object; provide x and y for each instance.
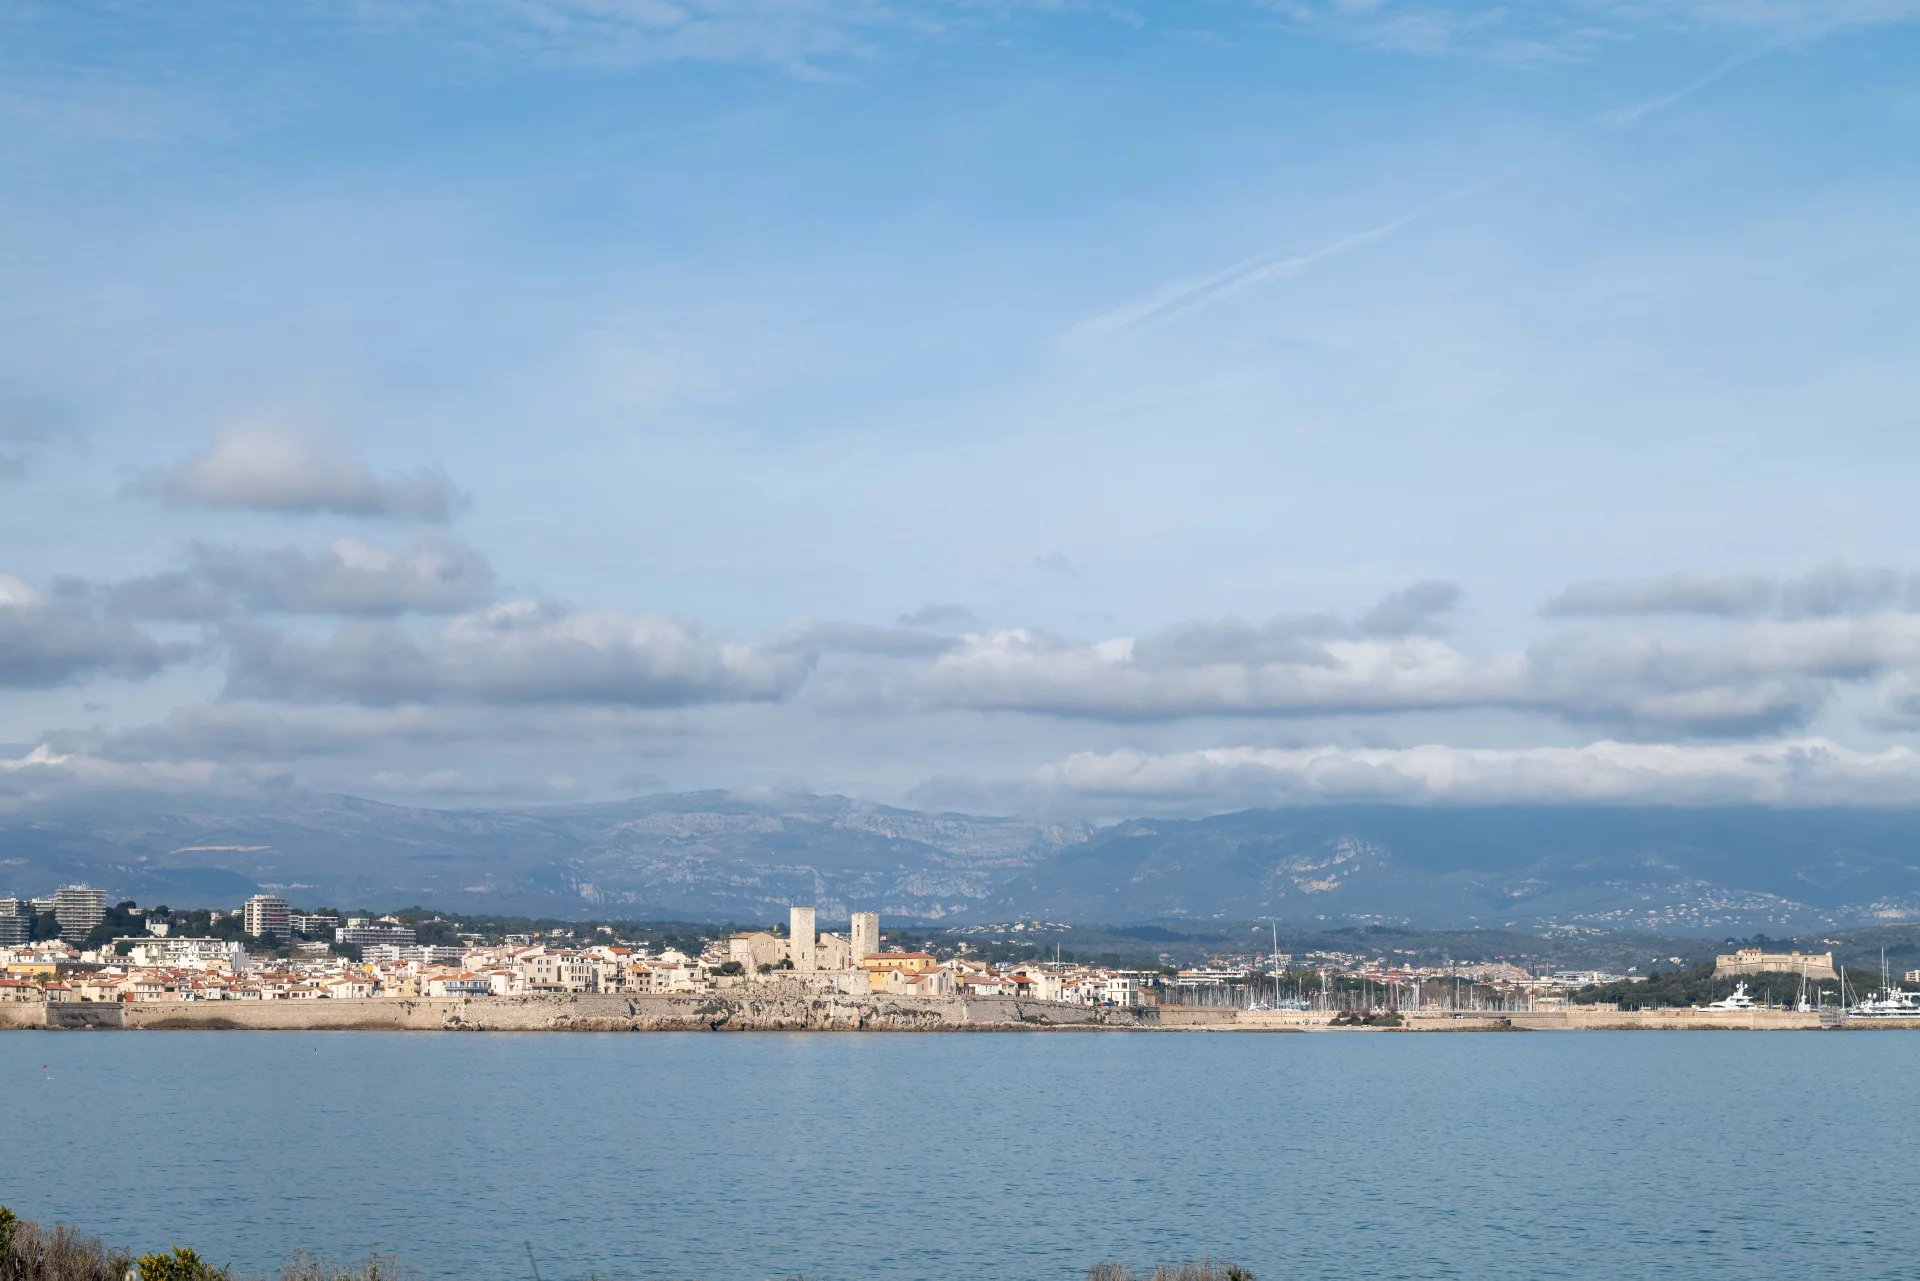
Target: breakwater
(752, 1011)
(763, 1010)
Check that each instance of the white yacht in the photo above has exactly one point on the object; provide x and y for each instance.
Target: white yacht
(1889, 1002)
(1738, 1001)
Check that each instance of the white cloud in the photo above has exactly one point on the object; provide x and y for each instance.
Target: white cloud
(452, 784)
(520, 652)
(263, 469)
(432, 576)
(46, 774)
(1801, 772)
(45, 643)
(1762, 676)
(1819, 593)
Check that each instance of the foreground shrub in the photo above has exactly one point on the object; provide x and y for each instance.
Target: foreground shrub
(313, 1267)
(182, 1265)
(29, 1252)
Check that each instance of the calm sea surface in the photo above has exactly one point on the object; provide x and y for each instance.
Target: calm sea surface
(860, 1157)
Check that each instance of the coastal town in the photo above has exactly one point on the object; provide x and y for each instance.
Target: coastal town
(73, 949)
(290, 955)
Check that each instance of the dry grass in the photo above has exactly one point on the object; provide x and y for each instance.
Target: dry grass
(29, 1252)
(313, 1267)
(1206, 1270)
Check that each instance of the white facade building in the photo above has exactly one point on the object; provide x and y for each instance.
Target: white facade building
(267, 916)
(79, 908)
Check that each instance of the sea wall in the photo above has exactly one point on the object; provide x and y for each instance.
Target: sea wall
(753, 1010)
(764, 1009)
(1591, 1018)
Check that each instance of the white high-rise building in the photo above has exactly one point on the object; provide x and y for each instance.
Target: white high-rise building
(78, 908)
(268, 917)
(802, 939)
(866, 935)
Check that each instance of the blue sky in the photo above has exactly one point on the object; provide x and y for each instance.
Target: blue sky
(1023, 406)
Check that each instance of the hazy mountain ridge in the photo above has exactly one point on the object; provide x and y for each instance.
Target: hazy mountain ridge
(1668, 869)
(699, 855)
(720, 856)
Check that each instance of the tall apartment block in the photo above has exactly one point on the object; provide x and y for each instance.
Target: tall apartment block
(78, 908)
(267, 916)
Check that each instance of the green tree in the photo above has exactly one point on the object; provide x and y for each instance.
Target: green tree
(121, 921)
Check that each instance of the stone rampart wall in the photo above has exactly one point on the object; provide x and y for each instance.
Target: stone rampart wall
(22, 1014)
(798, 1011)
(749, 1009)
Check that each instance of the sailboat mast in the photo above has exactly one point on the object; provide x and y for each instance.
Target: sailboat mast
(1276, 963)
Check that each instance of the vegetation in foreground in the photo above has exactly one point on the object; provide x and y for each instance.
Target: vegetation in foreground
(29, 1252)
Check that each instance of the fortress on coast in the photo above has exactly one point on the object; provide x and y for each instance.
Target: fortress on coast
(1751, 960)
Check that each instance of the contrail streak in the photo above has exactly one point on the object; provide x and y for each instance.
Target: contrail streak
(1179, 298)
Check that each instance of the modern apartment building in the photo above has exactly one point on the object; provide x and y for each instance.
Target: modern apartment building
(364, 933)
(315, 925)
(78, 908)
(268, 917)
(16, 921)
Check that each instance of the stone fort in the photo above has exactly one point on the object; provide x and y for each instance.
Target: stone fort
(1751, 960)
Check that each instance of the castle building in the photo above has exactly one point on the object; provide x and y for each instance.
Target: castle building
(866, 935)
(1751, 960)
(802, 942)
(805, 948)
(756, 950)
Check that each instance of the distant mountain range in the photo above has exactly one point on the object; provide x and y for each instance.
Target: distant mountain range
(715, 856)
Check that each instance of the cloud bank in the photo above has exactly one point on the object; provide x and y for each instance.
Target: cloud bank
(432, 576)
(1799, 772)
(50, 643)
(514, 653)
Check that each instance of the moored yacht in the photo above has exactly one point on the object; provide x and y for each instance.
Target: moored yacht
(1738, 1001)
(1889, 1002)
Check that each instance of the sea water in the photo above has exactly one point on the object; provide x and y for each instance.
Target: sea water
(863, 1157)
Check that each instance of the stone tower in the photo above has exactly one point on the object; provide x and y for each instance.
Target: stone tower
(866, 935)
(801, 939)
